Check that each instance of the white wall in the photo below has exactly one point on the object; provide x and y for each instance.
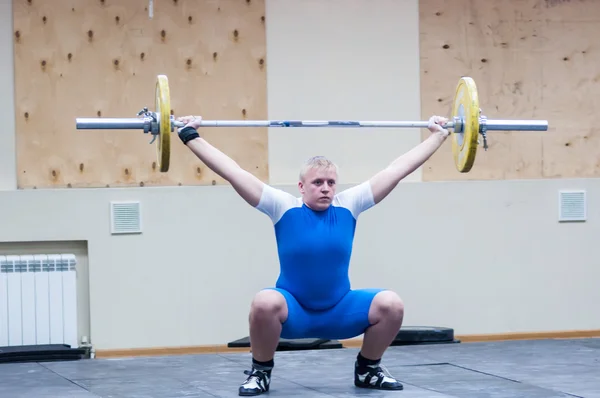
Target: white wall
(178, 283)
(481, 257)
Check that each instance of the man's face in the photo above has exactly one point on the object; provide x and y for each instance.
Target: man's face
(318, 187)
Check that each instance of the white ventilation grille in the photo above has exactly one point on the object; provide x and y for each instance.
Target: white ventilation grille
(125, 218)
(572, 206)
(38, 299)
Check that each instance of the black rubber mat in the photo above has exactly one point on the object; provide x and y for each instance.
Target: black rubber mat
(293, 344)
(413, 335)
(41, 353)
(408, 335)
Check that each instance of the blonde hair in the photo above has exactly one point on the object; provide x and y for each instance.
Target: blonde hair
(316, 162)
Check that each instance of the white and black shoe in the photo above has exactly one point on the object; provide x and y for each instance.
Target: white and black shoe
(258, 382)
(376, 377)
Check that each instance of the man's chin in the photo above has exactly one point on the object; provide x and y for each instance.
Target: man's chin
(319, 205)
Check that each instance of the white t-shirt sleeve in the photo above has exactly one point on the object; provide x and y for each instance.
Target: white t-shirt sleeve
(275, 202)
(356, 199)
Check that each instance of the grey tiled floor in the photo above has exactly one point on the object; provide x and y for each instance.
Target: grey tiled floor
(527, 369)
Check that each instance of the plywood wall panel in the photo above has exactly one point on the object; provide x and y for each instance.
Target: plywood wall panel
(531, 59)
(98, 58)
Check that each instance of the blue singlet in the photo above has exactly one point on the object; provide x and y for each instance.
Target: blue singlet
(314, 249)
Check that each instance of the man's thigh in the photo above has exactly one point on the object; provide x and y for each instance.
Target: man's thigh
(348, 318)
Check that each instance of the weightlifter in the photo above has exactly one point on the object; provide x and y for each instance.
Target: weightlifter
(314, 234)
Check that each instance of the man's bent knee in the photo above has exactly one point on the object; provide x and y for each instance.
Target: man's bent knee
(386, 305)
(267, 304)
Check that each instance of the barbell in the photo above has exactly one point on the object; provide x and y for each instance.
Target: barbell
(466, 123)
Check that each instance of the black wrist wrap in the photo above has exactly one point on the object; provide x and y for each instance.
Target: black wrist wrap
(188, 133)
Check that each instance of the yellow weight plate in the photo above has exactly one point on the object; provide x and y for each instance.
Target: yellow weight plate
(465, 107)
(163, 112)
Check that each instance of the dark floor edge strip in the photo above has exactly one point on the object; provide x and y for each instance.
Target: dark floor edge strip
(69, 380)
(484, 373)
(241, 361)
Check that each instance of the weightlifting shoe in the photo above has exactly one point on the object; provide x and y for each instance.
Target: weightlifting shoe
(258, 382)
(375, 377)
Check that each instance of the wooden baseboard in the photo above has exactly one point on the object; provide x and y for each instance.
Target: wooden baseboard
(142, 352)
(562, 334)
(351, 343)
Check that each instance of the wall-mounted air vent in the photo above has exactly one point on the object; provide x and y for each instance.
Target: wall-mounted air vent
(125, 217)
(572, 206)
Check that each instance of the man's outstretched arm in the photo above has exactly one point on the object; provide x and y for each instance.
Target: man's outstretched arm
(248, 186)
(386, 180)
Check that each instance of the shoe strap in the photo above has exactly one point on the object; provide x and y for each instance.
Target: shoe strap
(255, 373)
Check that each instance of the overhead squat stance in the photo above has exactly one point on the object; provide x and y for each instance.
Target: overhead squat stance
(314, 235)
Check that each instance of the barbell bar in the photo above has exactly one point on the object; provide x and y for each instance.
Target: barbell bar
(145, 123)
(466, 123)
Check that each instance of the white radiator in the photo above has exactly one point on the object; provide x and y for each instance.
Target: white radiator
(38, 300)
